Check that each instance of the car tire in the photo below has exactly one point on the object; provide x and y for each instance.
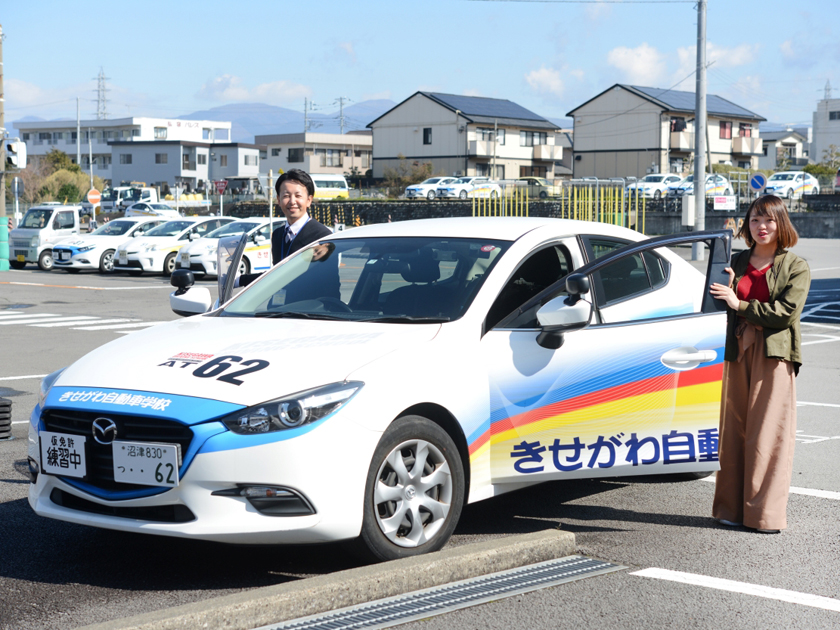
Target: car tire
(462, 194)
(45, 260)
(789, 193)
(401, 520)
(493, 194)
(169, 264)
(16, 264)
(727, 192)
(543, 194)
(106, 262)
(657, 195)
(244, 266)
(430, 195)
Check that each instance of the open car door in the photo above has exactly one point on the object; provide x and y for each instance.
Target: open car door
(613, 370)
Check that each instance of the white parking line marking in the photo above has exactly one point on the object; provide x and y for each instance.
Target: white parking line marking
(800, 403)
(21, 378)
(64, 286)
(121, 327)
(780, 594)
(109, 321)
(23, 319)
(824, 269)
(808, 492)
(66, 321)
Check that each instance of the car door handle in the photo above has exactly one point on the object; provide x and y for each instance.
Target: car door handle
(687, 358)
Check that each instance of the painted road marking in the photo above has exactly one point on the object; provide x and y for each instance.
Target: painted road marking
(21, 378)
(65, 321)
(780, 594)
(121, 327)
(10, 320)
(74, 322)
(64, 286)
(799, 403)
(808, 492)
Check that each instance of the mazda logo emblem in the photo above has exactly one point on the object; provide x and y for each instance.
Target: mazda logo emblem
(104, 430)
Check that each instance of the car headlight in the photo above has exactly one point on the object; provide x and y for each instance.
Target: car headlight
(86, 248)
(150, 248)
(36, 240)
(46, 385)
(292, 411)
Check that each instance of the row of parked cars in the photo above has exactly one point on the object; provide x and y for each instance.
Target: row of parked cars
(50, 236)
(482, 187)
(787, 184)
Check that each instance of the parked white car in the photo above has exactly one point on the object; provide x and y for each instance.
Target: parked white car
(96, 250)
(156, 250)
(200, 256)
(792, 184)
(427, 189)
(370, 385)
(654, 186)
(469, 187)
(146, 209)
(715, 185)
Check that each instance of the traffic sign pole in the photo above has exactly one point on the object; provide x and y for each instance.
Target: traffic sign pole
(221, 185)
(93, 197)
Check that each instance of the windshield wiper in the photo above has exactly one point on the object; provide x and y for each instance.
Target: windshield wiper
(397, 319)
(296, 315)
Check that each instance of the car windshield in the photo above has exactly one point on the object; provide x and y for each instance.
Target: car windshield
(236, 227)
(113, 228)
(434, 180)
(161, 207)
(653, 178)
(391, 280)
(109, 195)
(170, 228)
(781, 177)
(36, 218)
(463, 180)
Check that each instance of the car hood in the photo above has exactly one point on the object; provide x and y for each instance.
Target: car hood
(94, 241)
(136, 244)
(290, 355)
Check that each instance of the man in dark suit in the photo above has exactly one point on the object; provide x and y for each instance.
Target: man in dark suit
(295, 192)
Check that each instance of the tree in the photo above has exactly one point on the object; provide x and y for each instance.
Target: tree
(405, 174)
(831, 157)
(69, 193)
(58, 160)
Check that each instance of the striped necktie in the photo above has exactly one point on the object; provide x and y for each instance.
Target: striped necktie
(289, 235)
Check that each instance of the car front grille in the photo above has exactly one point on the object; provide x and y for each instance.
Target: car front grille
(134, 264)
(156, 513)
(20, 243)
(99, 457)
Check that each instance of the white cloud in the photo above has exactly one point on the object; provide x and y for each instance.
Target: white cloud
(375, 96)
(643, 65)
(788, 51)
(228, 88)
(347, 48)
(718, 56)
(545, 81)
(597, 10)
(473, 92)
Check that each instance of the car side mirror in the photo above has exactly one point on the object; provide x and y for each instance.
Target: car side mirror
(186, 302)
(258, 238)
(194, 236)
(559, 316)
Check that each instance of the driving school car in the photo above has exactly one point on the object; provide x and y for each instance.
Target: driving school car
(200, 256)
(469, 187)
(157, 249)
(367, 387)
(96, 250)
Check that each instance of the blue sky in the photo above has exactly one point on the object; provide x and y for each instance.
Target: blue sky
(171, 58)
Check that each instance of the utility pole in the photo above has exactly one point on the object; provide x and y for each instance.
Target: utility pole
(697, 251)
(4, 224)
(341, 100)
(78, 135)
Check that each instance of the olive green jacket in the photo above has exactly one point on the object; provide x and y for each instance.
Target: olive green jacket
(788, 281)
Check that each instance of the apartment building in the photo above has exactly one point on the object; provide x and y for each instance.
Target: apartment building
(333, 153)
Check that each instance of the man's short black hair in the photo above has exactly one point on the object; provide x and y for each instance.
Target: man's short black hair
(296, 175)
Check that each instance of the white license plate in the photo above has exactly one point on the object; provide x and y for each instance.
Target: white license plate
(185, 260)
(64, 255)
(123, 258)
(146, 464)
(63, 454)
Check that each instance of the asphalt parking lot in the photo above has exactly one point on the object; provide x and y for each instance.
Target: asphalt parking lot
(58, 575)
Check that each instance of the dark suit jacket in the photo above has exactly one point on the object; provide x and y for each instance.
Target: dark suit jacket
(309, 233)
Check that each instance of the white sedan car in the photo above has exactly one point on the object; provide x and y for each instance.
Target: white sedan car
(654, 186)
(157, 250)
(200, 256)
(469, 187)
(369, 386)
(427, 189)
(146, 209)
(792, 184)
(96, 250)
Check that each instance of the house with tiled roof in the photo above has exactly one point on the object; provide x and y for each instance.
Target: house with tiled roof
(466, 135)
(631, 131)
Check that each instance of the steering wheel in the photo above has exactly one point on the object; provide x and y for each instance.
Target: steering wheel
(338, 305)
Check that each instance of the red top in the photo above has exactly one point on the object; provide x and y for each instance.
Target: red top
(753, 286)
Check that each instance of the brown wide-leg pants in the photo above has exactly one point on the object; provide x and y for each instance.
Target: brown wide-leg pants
(757, 436)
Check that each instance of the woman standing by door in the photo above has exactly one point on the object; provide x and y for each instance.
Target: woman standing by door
(765, 297)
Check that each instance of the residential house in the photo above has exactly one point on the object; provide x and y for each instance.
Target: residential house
(783, 150)
(630, 131)
(826, 129)
(465, 135)
(95, 137)
(317, 152)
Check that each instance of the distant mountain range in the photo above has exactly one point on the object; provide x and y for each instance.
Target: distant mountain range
(258, 119)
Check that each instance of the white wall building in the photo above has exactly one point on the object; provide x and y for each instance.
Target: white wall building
(826, 128)
(465, 135)
(317, 152)
(783, 149)
(182, 163)
(630, 131)
(97, 136)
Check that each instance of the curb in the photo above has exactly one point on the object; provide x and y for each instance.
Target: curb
(291, 600)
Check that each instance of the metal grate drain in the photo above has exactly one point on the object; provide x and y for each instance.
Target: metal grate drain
(392, 611)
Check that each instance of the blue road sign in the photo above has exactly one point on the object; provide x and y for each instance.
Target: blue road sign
(758, 182)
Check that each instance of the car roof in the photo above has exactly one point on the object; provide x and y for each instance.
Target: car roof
(790, 173)
(497, 228)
